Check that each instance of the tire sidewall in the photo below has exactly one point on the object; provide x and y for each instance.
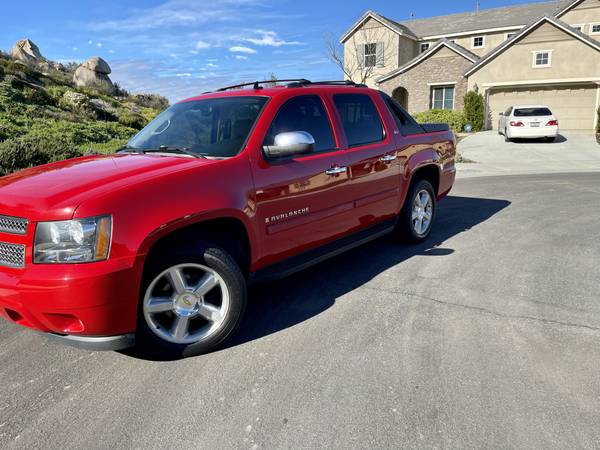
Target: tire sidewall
(406, 228)
(219, 261)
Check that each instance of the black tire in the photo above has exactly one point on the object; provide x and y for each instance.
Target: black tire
(218, 260)
(405, 230)
(550, 139)
(506, 138)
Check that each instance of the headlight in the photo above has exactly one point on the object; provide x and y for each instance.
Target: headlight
(72, 241)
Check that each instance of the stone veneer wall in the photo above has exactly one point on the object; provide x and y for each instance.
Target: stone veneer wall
(434, 69)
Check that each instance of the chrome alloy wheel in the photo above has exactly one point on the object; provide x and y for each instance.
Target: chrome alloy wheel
(422, 212)
(186, 303)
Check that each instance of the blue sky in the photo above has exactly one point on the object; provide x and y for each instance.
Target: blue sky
(180, 48)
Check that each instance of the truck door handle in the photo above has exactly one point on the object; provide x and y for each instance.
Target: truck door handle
(387, 158)
(336, 170)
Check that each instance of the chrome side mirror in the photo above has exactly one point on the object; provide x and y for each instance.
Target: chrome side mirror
(290, 143)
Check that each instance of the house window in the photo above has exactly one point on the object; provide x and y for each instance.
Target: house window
(424, 47)
(511, 34)
(370, 55)
(577, 27)
(442, 97)
(595, 28)
(478, 42)
(542, 59)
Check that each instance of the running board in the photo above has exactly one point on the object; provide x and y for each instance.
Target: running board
(309, 258)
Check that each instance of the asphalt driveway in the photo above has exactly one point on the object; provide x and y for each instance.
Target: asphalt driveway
(571, 152)
(486, 336)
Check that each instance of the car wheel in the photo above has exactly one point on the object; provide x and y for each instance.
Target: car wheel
(418, 214)
(506, 138)
(190, 302)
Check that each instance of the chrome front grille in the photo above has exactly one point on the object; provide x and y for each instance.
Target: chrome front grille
(13, 225)
(12, 255)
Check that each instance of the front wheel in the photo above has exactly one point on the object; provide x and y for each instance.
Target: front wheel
(417, 215)
(190, 302)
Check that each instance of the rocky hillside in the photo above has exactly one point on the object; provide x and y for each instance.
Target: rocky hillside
(50, 111)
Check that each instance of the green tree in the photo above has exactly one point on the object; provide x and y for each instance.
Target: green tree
(474, 110)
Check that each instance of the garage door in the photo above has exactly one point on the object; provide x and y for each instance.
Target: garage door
(573, 105)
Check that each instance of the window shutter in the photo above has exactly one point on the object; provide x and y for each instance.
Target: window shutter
(380, 55)
(361, 56)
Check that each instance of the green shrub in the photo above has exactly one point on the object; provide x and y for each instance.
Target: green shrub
(23, 152)
(474, 110)
(455, 119)
(132, 120)
(2, 73)
(38, 96)
(153, 101)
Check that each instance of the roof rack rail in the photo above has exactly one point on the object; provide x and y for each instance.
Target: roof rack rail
(291, 83)
(257, 84)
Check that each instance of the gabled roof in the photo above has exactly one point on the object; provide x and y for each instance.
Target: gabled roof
(507, 17)
(525, 31)
(394, 26)
(423, 56)
(566, 8)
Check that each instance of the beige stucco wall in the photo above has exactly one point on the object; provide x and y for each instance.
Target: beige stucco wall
(571, 59)
(444, 66)
(397, 49)
(492, 40)
(585, 13)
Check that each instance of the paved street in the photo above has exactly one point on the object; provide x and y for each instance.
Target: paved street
(571, 152)
(487, 336)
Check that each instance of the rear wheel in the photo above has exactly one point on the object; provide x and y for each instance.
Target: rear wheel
(506, 138)
(190, 302)
(417, 215)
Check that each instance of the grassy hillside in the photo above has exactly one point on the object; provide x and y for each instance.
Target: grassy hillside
(45, 118)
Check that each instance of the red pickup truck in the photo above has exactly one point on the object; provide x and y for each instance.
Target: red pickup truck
(154, 246)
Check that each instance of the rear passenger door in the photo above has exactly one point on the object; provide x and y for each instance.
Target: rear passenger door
(372, 156)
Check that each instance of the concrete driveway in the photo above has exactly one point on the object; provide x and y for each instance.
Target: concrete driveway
(486, 336)
(572, 152)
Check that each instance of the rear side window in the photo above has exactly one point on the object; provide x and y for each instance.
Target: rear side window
(532, 112)
(303, 113)
(360, 119)
(404, 121)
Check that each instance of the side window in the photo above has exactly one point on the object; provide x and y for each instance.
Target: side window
(404, 121)
(303, 113)
(360, 119)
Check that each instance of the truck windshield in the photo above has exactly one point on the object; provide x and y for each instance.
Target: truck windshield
(217, 127)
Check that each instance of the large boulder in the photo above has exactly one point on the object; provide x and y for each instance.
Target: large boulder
(94, 73)
(27, 52)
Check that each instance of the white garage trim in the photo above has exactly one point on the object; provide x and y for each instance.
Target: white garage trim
(541, 82)
(597, 106)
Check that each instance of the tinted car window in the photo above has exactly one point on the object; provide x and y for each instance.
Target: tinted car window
(532, 112)
(360, 118)
(213, 127)
(303, 113)
(404, 121)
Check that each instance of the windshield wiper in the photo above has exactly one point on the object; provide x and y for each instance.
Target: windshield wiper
(167, 149)
(129, 149)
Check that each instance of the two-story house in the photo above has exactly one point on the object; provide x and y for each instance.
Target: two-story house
(538, 53)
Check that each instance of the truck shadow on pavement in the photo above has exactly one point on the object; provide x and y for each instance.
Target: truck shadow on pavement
(285, 303)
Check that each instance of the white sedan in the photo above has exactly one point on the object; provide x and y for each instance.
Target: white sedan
(528, 122)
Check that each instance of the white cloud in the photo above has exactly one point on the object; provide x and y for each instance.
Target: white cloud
(270, 39)
(241, 57)
(242, 49)
(211, 65)
(99, 44)
(75, 49)
(201, 45)
(90, 42)
(183, 75)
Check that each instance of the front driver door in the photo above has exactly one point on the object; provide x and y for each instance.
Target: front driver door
(301, 201)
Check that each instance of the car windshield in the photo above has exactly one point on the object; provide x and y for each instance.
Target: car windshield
(531, 112)
(217, 127)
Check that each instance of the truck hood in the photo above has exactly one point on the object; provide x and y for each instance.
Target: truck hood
(54, 191)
